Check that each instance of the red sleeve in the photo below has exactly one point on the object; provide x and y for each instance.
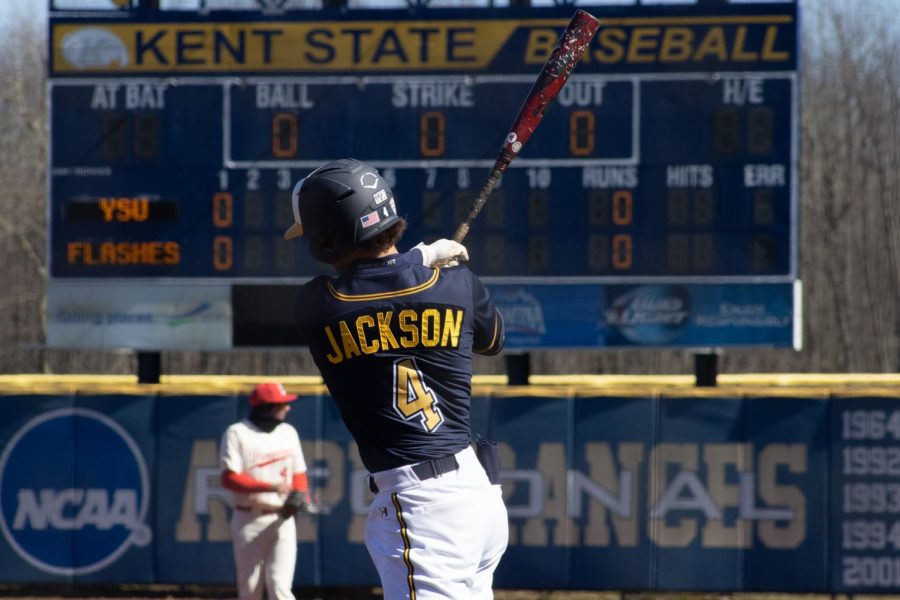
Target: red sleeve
(300, 483)
(240, 482)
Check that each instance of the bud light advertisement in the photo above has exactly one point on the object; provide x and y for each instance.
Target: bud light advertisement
(649, 315)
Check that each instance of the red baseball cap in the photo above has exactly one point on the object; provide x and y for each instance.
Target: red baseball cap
(270, 393)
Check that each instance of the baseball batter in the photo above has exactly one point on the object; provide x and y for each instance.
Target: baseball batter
(393, 337)
(262, 462)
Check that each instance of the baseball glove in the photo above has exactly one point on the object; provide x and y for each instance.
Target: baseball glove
(300, 502)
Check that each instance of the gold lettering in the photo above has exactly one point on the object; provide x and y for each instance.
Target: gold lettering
(140, 209)
(643, 38)
(768, 49)
(333, 357)
(716, 534)
(123, 209)
(74, 250)
(110, 253)
(108, 207)
(677, 44)
(713, 44)
(367, 321)
(612, 45)
(388, 341)
(408, 318)
(187, 528)
(451, 328)
(331, 493)
(173, 253)
(540, 45)
(350, 347)
(740, 38)
(431, 323)
(792, 534)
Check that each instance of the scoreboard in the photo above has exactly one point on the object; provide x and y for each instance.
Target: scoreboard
(655, 205)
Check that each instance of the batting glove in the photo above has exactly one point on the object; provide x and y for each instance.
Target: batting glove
(442, 253)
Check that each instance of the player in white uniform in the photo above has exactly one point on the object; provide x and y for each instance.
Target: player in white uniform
(262, 462)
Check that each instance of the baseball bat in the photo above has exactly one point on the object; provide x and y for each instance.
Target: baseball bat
(568, 51)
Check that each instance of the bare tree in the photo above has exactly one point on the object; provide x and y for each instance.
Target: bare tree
(850, 161)
(23, 161)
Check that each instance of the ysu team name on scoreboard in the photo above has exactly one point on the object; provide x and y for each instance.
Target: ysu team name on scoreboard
(651, 43)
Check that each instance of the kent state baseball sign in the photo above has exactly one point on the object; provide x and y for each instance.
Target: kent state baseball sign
(316, 46)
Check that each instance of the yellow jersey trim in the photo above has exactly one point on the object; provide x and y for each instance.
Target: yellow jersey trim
(493, 339)
(382, 295)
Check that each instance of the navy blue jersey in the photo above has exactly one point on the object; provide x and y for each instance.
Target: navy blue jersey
(393, 340)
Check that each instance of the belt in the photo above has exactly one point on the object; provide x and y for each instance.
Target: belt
(427, 469)
(262, 511)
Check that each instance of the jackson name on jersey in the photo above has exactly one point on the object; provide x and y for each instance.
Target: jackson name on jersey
(382, 331)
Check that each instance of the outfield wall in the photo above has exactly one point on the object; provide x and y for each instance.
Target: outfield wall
(779, 483)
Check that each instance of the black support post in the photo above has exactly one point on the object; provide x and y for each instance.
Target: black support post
(518, 368)
(706, 368)
(149, 366)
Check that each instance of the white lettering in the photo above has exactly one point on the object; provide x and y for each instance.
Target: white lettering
(764, 176)
(579, 484)
(697, 498)
(582, 93)
(431, 94)
(609, 177)
(104, 96)
(58, 517)
(283, 95)
(747, 508)
(72, 509)
(144, 96)
(682, 176)
(742, 91)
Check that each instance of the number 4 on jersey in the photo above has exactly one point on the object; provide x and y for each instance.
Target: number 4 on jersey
(412, 398)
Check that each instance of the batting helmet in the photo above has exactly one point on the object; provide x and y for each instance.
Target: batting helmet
(270, 393)
(340, 205)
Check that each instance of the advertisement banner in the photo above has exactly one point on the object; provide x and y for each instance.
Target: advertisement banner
(647, 315)
(133, 315)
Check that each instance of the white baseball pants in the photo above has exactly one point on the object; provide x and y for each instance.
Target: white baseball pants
(265, 550)
(440, 538)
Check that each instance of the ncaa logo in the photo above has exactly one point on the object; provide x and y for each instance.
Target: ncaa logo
(85, 505)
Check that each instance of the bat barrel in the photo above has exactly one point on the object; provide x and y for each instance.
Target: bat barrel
(568, 51)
